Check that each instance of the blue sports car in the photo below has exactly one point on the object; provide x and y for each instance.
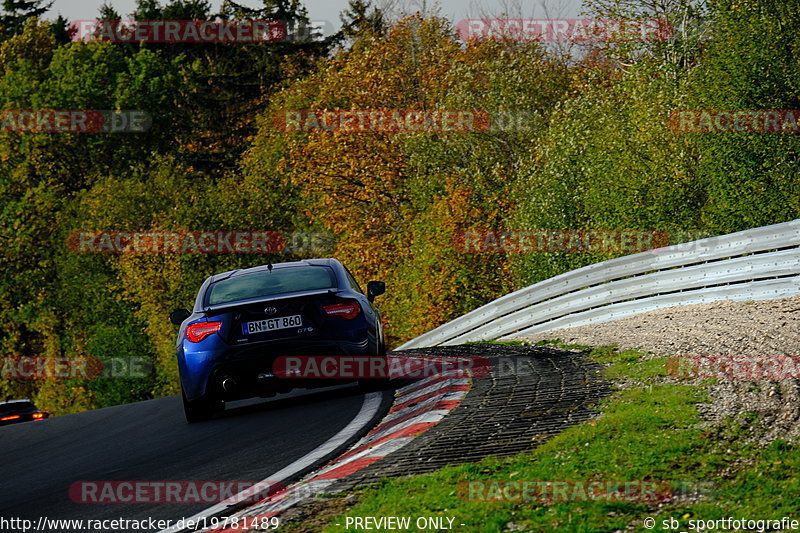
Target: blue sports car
(244, 319)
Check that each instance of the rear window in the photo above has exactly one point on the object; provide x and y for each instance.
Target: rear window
(16, 407)
(266, 283)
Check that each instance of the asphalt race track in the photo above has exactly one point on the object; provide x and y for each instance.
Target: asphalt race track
(150, 441)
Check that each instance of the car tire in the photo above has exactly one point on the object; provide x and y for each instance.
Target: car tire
(373, 385)
(377, 384)
(199, 410)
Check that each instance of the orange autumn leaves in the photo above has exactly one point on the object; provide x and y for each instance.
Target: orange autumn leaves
(394, 199)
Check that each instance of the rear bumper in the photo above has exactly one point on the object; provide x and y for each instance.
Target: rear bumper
(238, 372)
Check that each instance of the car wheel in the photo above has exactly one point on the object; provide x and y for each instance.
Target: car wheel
(373, 385)
(201, 409)
(377, 384)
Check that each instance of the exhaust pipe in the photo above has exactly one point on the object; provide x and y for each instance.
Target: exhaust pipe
(266, 382)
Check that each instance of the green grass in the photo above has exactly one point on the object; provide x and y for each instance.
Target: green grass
(648, 432)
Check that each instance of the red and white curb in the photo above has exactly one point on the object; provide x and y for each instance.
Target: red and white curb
(417, 408)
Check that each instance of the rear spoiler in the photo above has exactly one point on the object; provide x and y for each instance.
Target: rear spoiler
(217, 309)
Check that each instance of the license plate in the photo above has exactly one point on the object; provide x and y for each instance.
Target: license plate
(272, 324)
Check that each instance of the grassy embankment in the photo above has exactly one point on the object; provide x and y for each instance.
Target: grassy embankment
(649, 430)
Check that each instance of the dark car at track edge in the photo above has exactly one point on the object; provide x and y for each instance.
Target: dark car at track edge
(16, 411)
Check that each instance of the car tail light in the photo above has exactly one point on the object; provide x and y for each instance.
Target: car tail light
(201, 330)
(38, 416)
(348, 310)
(12, 417)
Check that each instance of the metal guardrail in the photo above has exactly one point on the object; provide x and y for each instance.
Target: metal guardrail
(757, 264)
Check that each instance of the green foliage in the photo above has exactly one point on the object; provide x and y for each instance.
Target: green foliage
(609, 162)
(17, 12)
(361, 18)
(750, 64)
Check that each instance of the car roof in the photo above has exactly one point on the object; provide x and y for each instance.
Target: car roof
(16, 401)
(13, 405)
(329, 262)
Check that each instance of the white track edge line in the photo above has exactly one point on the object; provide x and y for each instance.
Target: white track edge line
(372, 402)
